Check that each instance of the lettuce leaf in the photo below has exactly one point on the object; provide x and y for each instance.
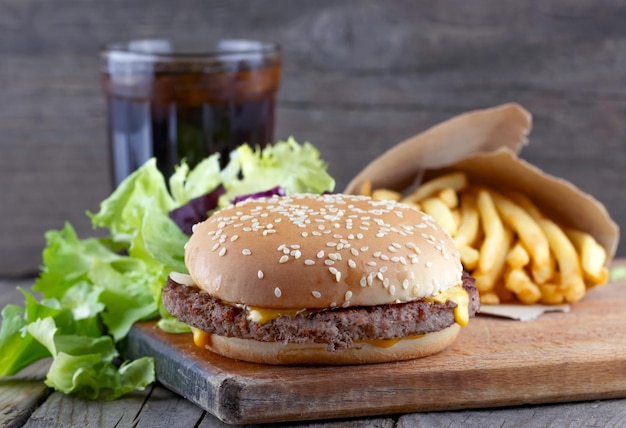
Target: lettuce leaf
(295, 167)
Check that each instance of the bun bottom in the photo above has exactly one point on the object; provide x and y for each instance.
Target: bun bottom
(277, 353)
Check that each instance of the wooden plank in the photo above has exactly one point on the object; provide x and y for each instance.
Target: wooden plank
(156, 406)
(556, 358)
(602, 413)
(21, 394)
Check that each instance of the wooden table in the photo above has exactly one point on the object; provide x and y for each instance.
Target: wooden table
(25, 401)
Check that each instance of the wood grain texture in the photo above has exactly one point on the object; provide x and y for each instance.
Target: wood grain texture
(605, 413)
(359, 76)
(560, 357)
(21, 394)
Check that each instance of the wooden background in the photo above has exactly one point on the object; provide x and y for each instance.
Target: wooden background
(358, 77)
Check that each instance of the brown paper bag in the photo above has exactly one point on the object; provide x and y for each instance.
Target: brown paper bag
(485, 144)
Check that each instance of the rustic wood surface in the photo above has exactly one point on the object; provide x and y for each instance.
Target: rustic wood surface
(359, 76)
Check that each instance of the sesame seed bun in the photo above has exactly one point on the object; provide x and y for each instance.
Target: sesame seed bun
(316, 252)
(278, 353)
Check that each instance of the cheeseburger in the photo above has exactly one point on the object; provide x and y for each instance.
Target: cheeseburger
(321, 279)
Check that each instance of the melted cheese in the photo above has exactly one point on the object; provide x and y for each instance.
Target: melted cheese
(459, 296)
(262, 316)
(200, 338)
(455, 294)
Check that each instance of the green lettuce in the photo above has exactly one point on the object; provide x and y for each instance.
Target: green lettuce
(92, 290)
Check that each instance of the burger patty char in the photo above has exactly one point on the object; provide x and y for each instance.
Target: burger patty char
(337, 328)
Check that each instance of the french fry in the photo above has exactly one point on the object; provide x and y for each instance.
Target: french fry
(468, 229)
(489, 298)
(366, 188)
(469, 257)
(551, 294)
(384, 194)
(530, 234)
(518, 281)
(441, 213)
(517, 257)
(486, 280)
(497, 237)
(449, 197)
(572, 282)
(455, 180)
(592, 256)
(494, 232)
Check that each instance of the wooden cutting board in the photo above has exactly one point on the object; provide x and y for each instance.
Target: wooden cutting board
(580, 355)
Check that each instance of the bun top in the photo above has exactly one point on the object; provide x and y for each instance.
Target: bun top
(321, 251)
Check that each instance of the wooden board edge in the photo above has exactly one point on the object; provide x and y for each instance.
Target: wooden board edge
(238, 398)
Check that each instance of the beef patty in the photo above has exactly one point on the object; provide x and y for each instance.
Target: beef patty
(337, 327)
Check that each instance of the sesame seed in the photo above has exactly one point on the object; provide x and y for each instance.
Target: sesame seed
(309, 262)
(384, 257)
(329, 262)
(371, 263)
(392, 290)
(283, 259)
(383, 269)
(363, 282)
(246, 252)
(364, 249)
(234, 238)
(331, 244)
(405, 284)
(429, 264)
(296, 254)
(280, 247)
(260, 274)
(215, 246)
(304, 234)
(320, 254)
(354, 252)
(352, 263)
(316, 294)
(348, 295)
(277, 292)
(222, 252)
